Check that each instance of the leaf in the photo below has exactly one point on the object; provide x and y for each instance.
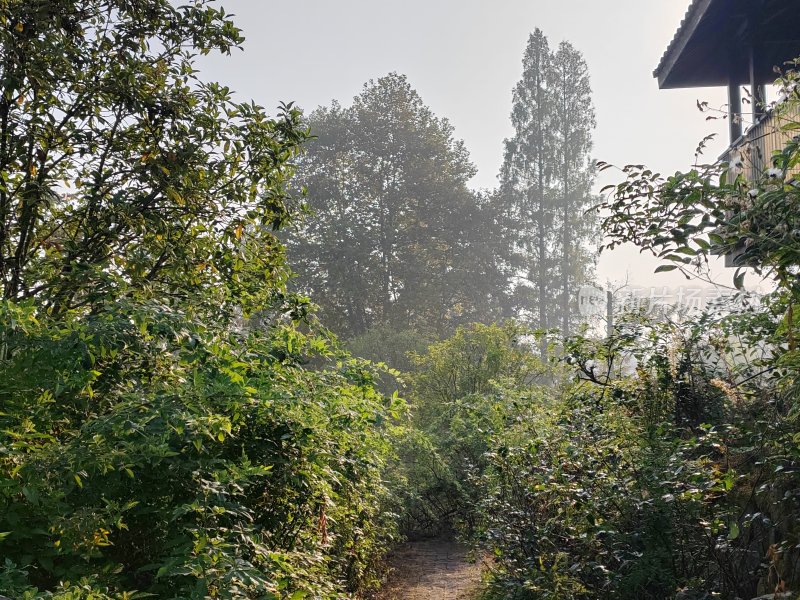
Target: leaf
(738, 279)
(31, 494)
(728, 480)
(665, 268)
(175, 196)
(733, 532)
(702, 243)
(716, 239)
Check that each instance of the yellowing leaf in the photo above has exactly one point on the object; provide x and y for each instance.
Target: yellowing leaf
(175, 196)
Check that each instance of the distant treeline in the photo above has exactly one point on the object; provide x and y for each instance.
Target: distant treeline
(396, 237)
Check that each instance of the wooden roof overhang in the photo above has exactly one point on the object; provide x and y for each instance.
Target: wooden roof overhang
(731, 42)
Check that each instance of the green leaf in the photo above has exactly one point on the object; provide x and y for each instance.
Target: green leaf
(716, 239)
(738, 279)
(702, 243)
(665, 268)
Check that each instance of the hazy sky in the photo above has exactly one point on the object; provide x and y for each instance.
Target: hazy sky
(464, 57)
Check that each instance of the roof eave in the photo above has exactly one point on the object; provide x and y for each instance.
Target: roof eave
(694, 14)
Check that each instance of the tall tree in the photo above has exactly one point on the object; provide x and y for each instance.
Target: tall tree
(147, 442)
(396, 237)
(527, 170)
(573, 122)
(545, 180)
(122, 173)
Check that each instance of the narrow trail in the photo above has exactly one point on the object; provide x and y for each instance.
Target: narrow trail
(432, 570)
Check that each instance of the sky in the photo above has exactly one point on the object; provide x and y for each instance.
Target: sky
(464, 57)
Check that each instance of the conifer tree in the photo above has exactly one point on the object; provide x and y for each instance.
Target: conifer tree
(573, 122)
(546, 179)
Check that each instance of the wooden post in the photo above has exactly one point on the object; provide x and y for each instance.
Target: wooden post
(735, 128)
(734, 110)
(757, 90)
(758, 94)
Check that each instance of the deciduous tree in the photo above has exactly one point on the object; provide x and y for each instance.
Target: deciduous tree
(396, 237)
(151, 445)
(121, 172)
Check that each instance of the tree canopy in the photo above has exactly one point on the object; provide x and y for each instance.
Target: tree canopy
(163, 432)
(396, 237)
(546, 180)
(122, 172)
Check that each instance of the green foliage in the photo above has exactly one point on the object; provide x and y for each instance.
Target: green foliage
(396, 238)
(390, 346)
(720, 391)
(174, 424)
(716, 209)
(604, 492)
(387, 346)
(472, 360)
(460, 399)
(668, 470)
(123, 173)
(186, 459)
(545, 183)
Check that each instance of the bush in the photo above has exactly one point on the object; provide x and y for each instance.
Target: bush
(175, 458)
(583, 503)
(459, 402)
(163, 455)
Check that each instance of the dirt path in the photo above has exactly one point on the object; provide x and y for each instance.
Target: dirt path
(432, 570)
